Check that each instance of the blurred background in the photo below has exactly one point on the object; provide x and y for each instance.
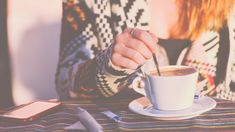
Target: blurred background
(5, 70)
(33, 29)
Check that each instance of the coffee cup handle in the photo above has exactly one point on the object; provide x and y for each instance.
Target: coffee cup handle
(136, 88)
(146, 91)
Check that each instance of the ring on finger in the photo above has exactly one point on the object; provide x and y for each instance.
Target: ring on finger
(132, 32)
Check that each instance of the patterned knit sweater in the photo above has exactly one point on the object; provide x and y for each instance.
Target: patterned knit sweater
(88, 29)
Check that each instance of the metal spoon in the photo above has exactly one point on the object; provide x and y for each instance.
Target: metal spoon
(156, 64)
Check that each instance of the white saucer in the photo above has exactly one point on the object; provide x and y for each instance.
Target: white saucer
(143, 106)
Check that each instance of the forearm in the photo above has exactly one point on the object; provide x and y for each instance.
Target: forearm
(93, 78)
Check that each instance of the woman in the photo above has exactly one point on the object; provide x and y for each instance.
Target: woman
(104, 42)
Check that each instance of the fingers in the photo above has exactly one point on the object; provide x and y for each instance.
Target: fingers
(121, 61)
(147, 38)
(130, 54)
(139, 47)
(133, 48)
(154, 37)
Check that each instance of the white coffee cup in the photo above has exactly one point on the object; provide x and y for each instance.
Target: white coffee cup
(173, 90)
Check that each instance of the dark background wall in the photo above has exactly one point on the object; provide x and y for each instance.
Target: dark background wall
(5, 72)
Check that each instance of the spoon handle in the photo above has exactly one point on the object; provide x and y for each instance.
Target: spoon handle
(156, 64)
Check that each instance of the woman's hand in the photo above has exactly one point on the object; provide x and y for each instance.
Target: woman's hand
(132, 48)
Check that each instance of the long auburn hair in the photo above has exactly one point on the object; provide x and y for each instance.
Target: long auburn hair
(197, 16)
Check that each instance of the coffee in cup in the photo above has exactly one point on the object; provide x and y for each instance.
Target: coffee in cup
(174, 71)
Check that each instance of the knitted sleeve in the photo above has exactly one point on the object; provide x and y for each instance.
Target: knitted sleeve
(84, 69)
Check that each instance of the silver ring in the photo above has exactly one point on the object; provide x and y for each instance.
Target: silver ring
(132, 32)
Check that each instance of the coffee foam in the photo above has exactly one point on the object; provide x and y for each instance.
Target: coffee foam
(174, 71)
